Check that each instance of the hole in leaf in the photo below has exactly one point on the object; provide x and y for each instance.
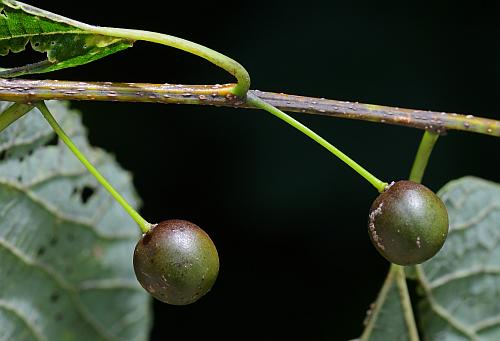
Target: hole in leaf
(54, 297)
(41, 251)
(3, 155)
(20, 178)
(52, 43)
(25, 57)
(21, 158)
(54, 141)
(86, 193)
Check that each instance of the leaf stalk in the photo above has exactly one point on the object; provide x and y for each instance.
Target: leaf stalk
(422, 157)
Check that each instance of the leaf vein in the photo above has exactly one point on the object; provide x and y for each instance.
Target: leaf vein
(5, 305)
(486, 323)
(446, 279)
(68, 218)
(57, 278)
(33, 35)
(440, 310)
(109, 284)
(480, 216)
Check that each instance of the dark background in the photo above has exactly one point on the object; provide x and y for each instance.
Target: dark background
(289, 220)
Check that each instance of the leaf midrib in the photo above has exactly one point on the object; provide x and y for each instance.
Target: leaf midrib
(47, 34)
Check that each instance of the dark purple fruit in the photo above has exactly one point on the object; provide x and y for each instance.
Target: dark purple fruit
(176, 262)
(408, 223)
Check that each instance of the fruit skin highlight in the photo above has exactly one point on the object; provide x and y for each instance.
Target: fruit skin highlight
(176, 262)
(408, 223)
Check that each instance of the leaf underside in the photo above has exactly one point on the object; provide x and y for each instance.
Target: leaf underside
(461, 283)
(65, 245)
(389, 322)
(460, 286)
(66, 42)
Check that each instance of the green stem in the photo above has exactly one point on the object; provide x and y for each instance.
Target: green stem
(143, 224)
(422, 156)
(257, 102)
(224, 62)
(12, 113)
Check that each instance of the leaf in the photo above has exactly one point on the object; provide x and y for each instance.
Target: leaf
(67, 43)
(65, 245)
(390, 318)
(461, 284)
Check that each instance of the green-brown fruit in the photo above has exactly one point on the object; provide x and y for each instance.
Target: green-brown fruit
(408, 223)
(176, 262)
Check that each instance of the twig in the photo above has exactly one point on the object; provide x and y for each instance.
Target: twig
(22, 90)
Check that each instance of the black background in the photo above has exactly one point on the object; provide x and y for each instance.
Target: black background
(289, 220)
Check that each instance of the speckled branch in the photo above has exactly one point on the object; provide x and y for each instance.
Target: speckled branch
(21, 90)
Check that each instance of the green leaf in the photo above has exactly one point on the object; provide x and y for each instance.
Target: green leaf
(461, 284)
(66, 42)
(390, 317)
(65, 245)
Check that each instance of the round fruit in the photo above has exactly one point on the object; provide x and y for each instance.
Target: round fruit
(176, 262)
(408, 223)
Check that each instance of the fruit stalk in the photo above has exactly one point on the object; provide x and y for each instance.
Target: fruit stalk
(143, 224)
(375, 182)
